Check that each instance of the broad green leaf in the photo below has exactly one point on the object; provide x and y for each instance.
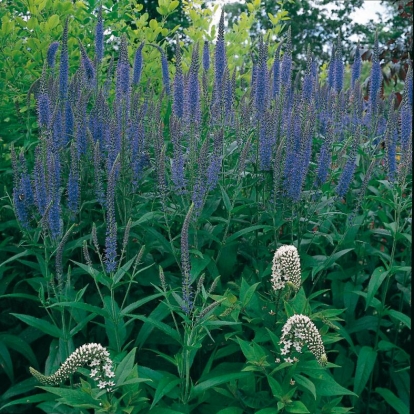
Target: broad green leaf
(6, 361)
(218, 380)
(33, 399)
(226, 199)
(365, 364)
(251, 350)
(20, 296)
(125, 366)
(276, 388)
(393, 400)
(329, 261)
(160, 238)
(268, 410)
(246, 296)
(15, 257)
(242, 232)
(404, 319)
(231, 410)
(82, 324)
(139, 303)
(160, 325)
(40, 324)
(21, 346)
(305, 383)
(375, 282)
(99, 276)
(159, 313)
(53, 21)
(166, 384)
(22, 387)
(325, 385)
(297, 407)
(122, 270)
(83, 306)
(75, 398)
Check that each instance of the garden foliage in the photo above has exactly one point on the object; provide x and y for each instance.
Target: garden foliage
(213, 237)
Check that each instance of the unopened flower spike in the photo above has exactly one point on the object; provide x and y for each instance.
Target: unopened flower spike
(94, 355)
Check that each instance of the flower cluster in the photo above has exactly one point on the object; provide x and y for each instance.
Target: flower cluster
(286, 268)
(299, 331)
(95, 355)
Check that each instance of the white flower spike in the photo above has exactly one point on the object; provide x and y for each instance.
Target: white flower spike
(286, 268)
(299, 331)
(95, 355)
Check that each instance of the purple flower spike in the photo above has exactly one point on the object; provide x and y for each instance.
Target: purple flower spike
(206, 56)
(178, 99)
(64, 65)
(220, 56)
(99, 37)
(138, 65)
(111, 226)
(185, 263)
(87, 65)
(51, 54)
(376, 74)
(165, 72)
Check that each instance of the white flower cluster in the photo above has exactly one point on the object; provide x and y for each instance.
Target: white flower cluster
(95, 355)
(299, 331)
(286, 268)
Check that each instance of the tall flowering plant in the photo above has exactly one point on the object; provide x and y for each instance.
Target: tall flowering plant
(209, 174)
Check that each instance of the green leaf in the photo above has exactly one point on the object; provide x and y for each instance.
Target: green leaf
(53, 21)
(161, 239)
(231, 410)
(33, 399)
(159, 313)
(325, 385)
(166, 384)
(393, 400)
(246, 296)
(305, 383)
(40, 324)
(83, 306)
(252, 351)
(329, 261)
(21, 346)
(297, 407)
(226, 199)
(124, 368)
(160, 325)
(146, 217)
(122, 270)
(16, 256)
(6, 361)
(82, 324)
(365, 364)
(375, 282)
(275, 386)
(74, 398)
(22, 387)
(20, 296)
(218, 380)
(404, 319)
(248, 230)
(139, 303)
